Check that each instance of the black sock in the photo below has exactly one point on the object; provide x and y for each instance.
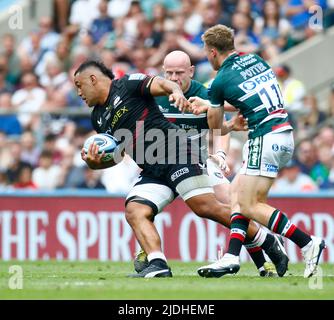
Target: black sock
(257, 256)
(279, 223)
(300, 238)
(239, 226)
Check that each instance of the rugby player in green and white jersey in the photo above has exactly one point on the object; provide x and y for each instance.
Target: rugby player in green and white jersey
(248, 83)
(177, 68)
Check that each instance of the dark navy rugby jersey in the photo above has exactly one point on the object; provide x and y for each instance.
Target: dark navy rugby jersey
(129, 101)
(131, 106)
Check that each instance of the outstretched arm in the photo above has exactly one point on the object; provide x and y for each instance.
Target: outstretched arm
(220, 143)
(216, 116)
(215, 120)
(221, 134)
(164, 87)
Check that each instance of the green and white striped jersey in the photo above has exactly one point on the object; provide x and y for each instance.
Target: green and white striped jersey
(196, 125)
(248, 83)
(185, 120)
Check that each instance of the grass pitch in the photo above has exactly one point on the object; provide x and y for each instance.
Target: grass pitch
(107, 280)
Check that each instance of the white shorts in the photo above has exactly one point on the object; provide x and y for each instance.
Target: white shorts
(266, 155)
(157, 194)
(215, 173)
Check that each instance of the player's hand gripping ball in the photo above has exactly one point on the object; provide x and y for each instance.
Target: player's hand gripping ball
(106, 143)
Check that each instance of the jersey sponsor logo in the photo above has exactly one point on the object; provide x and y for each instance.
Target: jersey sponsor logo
(271, 167)
(255, 151)
(245, 60)
(107, 114)
(235, 66)
(275, 147)
(162, 109)
(246, 57)
(137, 76)
(185, 115)
(118, 115)
(179, 173)
(286, 149)
(251, 84)
(117, 101)
(202, 166)
(266, 87)
(187, 126)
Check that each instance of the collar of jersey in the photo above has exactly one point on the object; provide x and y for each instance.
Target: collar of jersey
(230, 57)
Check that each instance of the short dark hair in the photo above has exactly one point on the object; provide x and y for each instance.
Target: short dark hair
(98, 65)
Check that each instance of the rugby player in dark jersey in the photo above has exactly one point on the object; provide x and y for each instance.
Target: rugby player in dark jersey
(126, 106)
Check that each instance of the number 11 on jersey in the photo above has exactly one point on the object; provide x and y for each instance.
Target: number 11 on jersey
(271, 98)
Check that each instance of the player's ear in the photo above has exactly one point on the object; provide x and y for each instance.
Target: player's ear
(192, 71)
(164, 71)
(93, 79)
(214, 52)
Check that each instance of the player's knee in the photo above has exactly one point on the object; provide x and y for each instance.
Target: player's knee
(262, 197)
(250, 205)
(248, 210)
(222, 194)
(246, 205)
(137, 212)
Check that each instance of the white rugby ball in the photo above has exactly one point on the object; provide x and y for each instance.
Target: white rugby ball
(105, 142)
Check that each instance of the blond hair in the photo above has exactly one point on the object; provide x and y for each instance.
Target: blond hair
(220, 37)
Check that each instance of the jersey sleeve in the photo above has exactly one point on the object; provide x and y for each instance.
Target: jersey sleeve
(216, 96)
(139, 84)
(204, 93)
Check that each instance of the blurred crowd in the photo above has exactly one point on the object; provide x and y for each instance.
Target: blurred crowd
(43, 123)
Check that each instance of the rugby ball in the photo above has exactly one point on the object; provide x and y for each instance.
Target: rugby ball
(106, 143)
